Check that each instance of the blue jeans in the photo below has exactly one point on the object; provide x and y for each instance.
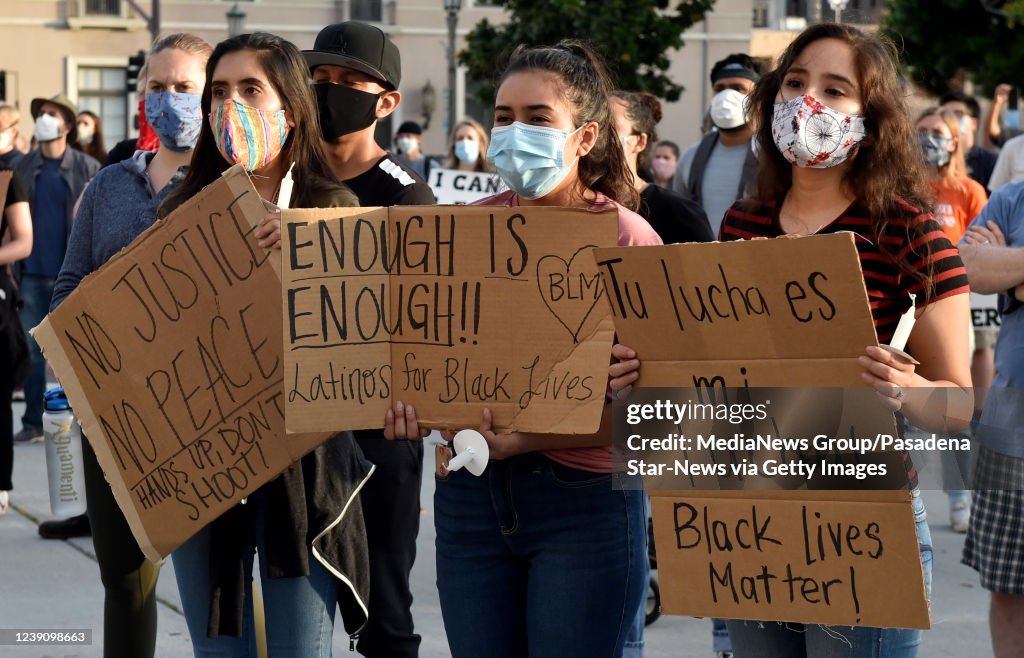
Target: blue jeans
(537, 559)
(299, 612)
(755, 639)
(36, 292)
(720, 636)
(634, 645)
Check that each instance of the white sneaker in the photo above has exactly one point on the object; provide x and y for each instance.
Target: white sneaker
(959, 516)
(5, 501)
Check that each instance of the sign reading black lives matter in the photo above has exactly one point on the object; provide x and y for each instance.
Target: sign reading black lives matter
(171, 357)
(452, 309)
(710, 319)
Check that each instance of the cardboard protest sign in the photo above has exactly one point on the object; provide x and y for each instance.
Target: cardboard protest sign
(455, 186)
(852, 561)
(452, 309)
(171, 357)
(787, 312)
(771, 313)
(985, 311)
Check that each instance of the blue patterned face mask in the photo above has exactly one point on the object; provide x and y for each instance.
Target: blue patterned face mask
(176, 118)
(530, 158)
(936, 149)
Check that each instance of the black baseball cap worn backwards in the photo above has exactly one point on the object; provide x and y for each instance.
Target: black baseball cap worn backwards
(357, 46)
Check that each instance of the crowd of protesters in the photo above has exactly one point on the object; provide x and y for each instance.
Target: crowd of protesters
(951, 183)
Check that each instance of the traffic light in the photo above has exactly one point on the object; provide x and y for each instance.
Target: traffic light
(131, 77)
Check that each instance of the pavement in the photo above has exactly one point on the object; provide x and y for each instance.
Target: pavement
(55, 584)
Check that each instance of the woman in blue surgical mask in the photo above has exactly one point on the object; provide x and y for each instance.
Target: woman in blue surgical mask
(467, 149)
(118, 205)
(567, 576)
(839, 154)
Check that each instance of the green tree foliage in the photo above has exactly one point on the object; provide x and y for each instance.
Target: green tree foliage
(633, 36)
(941, 39)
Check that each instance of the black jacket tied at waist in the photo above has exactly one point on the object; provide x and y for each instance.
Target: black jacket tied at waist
(309, 510)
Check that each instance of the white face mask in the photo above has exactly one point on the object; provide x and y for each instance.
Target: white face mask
(7, 139)
(729, 109)
(47, 128)
(407, 144)
(85, 133)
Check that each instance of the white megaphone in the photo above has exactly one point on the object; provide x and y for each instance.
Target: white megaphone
(471, 452)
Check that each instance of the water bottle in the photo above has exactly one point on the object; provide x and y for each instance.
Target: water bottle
(64, 467)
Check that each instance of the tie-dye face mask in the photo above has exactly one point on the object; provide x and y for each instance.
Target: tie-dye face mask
(811, 134)
(247, 135)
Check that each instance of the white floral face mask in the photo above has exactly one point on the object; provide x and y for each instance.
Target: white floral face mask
(809, 134)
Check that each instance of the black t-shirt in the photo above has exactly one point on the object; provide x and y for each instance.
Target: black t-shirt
(16, 190)
(980, 163)
(675, 218)
(391, 183)
(11, 158)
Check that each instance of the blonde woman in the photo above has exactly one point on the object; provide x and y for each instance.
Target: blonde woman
(958, 198)
(467, 147)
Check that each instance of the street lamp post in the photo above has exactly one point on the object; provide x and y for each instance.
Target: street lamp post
(837, 8)
(452, 7)
(428, 102)
(236, 20)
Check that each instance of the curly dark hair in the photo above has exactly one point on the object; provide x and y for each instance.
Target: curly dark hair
(887, 173)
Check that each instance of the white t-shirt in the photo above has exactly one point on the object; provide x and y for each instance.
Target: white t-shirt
(721, 181)
(1009, 165)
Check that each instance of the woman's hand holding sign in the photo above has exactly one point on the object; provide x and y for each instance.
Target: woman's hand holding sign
(625, 370)
(401, 423)
(269, 230)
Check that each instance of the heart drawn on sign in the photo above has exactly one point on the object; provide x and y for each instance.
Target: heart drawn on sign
(569, 290)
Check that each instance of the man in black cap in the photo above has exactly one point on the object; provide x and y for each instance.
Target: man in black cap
(722, 167)
(54, 175)
(356, 71)
(407, 142)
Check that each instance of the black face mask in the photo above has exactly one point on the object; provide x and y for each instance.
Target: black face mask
(344, 110)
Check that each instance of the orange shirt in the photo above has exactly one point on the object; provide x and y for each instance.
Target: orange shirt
(958, 201)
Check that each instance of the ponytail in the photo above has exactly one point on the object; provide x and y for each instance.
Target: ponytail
(586, 86)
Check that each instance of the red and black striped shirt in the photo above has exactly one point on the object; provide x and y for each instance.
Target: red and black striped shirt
(914, 235)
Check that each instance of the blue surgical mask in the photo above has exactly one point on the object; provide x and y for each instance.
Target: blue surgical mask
(467, 151)
(965, 124)
(176, 118)
(530, 158)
